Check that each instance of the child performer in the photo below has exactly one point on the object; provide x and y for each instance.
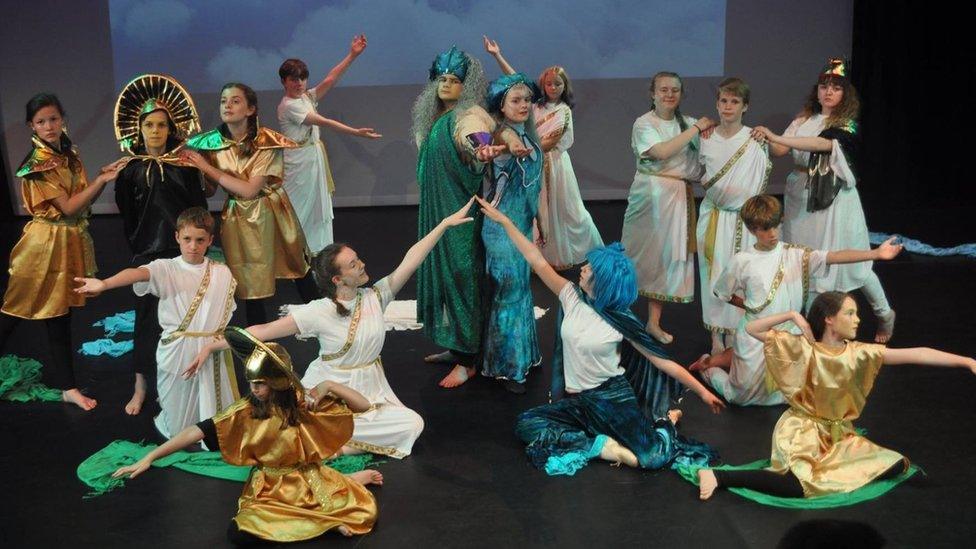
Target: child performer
(153, 116)
(659, 224)
(823, 208)
(768, 278)
(349, 325)
(736, 168)
(511, 347)
(308, 179)
(259, 232)
(449, 282)
(55, 246)
(285, 436)
(825, 376)
(602, 356)
(196, 299)
(566, 230)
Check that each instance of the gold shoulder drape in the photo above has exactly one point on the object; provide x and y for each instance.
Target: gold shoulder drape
(826, 390)
(290, 495)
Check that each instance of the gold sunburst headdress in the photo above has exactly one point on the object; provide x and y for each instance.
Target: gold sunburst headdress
(151, 92)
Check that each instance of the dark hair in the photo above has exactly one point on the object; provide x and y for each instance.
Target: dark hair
(736, 87)
(198, 217)
(40, 101)
(567, 96)
(677, 110)
(825, 305)
(293, 67)
(172, 140)
(848, 109)
(761, 212)
(324, 267)
(247, 146)
(285, 401)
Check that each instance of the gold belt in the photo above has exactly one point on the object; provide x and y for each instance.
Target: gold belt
(836, 426)
(63, 222)
(377, 362)
(178, 334)
(281, 471)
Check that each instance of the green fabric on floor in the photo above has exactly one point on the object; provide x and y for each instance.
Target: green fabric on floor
(865, 493)
(96, 471)
(20, 381)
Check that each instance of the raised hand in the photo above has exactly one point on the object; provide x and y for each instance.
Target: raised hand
(193, 158)
(761, 134)
(519, 149)
(486, 153)
(491, 46)
(491, 212)
(888, 249)
(368, 133)
(461, 216)
(358, 45)
(90, 287)
(804, 327)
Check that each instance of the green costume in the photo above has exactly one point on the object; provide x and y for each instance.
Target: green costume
(449, 280)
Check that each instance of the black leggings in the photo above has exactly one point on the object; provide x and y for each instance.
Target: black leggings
(775, 484)
(61, 373)
(146, 336)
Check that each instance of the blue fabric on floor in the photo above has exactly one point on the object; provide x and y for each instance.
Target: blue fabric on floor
(918, 247)
(124, 322)
(109, 347)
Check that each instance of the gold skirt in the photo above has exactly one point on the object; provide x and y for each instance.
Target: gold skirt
(262, 241)
(43, 266)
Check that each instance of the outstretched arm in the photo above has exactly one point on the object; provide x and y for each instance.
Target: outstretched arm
(777, 142)
(186, 437)
(667, 149)
(924, 356)
(761, 134)
(74, 204)
(91, 287)
(243, 188)
(283, 327)
(495, 51)
(553, 280)
(418, 252)
(760, 327)
(331, 79)
(675, 370)
(887, 250)
(317, 119)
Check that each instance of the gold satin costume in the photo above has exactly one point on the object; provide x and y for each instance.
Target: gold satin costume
(261, 237)
(54, 248)
(290, 495)
(826, 390)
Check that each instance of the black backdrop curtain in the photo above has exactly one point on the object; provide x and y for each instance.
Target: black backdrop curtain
(915, 68)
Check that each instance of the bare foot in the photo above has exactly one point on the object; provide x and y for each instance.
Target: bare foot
(703, 363)
(367, 477)
(457, 377)
(134, 405)
(75, 397)
(345, 531)
(447, 357)
(617, 453)
(659, 334)
(675, 416)
(886, 327)
(707, 483)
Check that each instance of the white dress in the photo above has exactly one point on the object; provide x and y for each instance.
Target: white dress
(307, 178)
(736, 169)
(770, 282)
(658, 225)
(567, 227)
(193, 307)
(349, 348)
(839, 227)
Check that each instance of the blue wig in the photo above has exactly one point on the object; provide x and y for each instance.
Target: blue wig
(614, 278)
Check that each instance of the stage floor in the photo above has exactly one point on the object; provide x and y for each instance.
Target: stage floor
(468, 482)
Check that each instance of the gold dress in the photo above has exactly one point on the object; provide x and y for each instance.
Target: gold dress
(261, 237)
(290, 495)
(826, 390)
(54, 248)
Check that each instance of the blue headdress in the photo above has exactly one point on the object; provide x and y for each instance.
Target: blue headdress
(501, 85)
(453, 61)
(614, 277)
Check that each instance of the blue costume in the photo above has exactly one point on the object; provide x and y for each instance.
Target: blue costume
(510, 345)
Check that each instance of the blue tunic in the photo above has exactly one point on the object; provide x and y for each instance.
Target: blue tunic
(510, 344)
